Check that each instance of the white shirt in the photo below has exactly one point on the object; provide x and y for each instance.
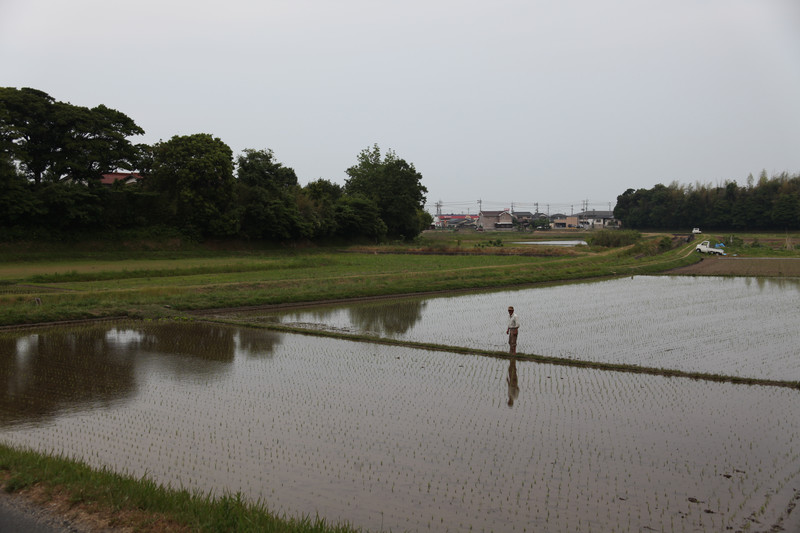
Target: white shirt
(513, 321)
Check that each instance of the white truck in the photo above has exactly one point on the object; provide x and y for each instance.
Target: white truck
(706, 248)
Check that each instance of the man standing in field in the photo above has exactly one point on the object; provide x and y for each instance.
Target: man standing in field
(512, 330)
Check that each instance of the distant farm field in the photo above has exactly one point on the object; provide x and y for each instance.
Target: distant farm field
(743, 266)
(35, 288)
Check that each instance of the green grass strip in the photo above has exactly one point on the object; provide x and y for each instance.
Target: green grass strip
(181, 509)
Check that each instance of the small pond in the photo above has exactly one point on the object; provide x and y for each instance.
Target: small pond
(553, 243)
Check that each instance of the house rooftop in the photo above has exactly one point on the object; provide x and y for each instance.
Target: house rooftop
(595, 213)
(110, 178)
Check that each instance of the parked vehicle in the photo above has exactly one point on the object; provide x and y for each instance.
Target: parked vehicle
(696, 231)
(706, 248)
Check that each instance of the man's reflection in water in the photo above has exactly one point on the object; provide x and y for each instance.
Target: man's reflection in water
(513, 385)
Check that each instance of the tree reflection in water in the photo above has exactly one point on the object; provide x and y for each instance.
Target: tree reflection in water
(388, 318)
(60, 369)
(258, 343)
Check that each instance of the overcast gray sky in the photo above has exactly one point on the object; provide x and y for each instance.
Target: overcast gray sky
(523, 101)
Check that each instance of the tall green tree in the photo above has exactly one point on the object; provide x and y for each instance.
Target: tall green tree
(395, 186)
(786, 211)
(319, 206)
(96, 141)
(267, 193)
(18, 205)
(259, 168)
(54, 141)
(194, 173)
(28, 130)
(357, 217)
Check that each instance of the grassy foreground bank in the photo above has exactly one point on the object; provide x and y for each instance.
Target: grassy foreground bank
(102, 500)
(36, 287)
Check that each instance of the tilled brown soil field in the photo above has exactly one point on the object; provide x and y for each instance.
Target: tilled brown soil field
(743, 266)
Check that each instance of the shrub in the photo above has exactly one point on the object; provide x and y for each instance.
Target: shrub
(614, 238)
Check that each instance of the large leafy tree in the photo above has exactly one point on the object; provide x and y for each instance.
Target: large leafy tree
(28, 130)
(318, 204)
(194, 173)
(357, 217)
(395, 186)
(267, 193)
(55, 141)
(96, 141)
(259, 168)
(17, 203)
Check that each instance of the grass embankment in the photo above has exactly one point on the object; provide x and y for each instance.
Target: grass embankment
(40, 290)
(104, 500)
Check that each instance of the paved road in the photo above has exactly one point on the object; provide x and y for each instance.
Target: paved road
(17, 516)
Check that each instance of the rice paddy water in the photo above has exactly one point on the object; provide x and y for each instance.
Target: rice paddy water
(394, 438)
(745, 327)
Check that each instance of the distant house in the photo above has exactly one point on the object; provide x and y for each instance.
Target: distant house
(126, 178)
(561, 221)
(491, 220)
(453, 220)
(523, 218)
(597, 219)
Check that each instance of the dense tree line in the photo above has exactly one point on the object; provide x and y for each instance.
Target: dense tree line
(54, 155)
(765, 204)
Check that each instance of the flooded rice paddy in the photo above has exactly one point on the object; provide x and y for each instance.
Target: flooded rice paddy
(746, 327)
(401, 439)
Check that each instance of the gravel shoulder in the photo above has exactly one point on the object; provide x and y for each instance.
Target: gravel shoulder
(20, 513)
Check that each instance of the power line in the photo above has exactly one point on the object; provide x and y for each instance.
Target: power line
(475, 206)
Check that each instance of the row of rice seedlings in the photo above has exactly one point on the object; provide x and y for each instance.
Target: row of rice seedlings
(400, 439)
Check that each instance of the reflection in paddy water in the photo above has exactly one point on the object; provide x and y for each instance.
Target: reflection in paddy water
(400, 439)
(59, 370)
(736, 326)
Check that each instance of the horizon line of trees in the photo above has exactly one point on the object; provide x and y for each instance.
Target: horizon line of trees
(766, 204)
(54, 155)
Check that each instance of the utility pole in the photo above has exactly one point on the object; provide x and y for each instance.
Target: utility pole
(439, 208)
(479, 207)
